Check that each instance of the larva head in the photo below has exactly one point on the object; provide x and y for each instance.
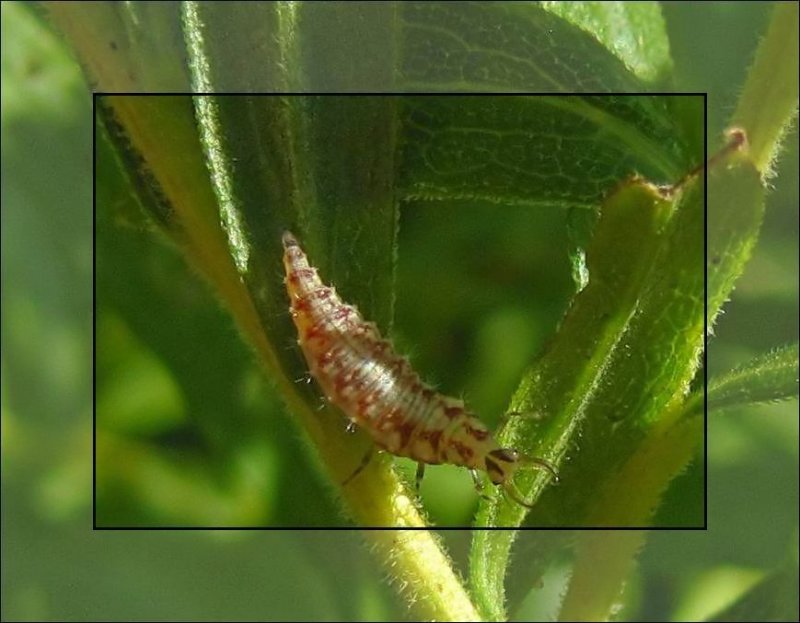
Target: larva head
(289, 240)
(501, 464)
(293, 256)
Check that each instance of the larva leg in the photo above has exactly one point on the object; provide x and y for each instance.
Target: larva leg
(351, 427)
(418, 477)
(364, 462)
(478, 482)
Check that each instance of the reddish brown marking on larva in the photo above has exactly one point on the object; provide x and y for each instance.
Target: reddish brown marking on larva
(464, 451)
(428, 435)
(343, 313)
(477, 434)
(377, 389)
(301, 306)
(451, 413)
(406, 429)
(433, 439)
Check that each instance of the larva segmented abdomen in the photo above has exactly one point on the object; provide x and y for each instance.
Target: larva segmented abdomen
(377, 389)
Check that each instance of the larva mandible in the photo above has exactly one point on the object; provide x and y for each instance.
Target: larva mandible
(380, 392)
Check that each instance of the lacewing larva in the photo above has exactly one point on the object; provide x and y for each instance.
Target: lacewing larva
(378, 390)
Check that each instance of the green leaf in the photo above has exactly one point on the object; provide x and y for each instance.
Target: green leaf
(625, 351)
(769, 377)
(644, 344)
(173, 174)
(775, 598)
(126, 46)
(264, 186)
(254, 59)
(502, 46)
(172, 184)
(634, 31)
(537, 151)
(292, 47)
(321, 167)
(142, 314)
(284, 164)
(310, 47)
(735, 212)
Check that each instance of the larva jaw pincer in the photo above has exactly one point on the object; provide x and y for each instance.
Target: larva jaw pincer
(540, 463)
(289, 240)
(502, 463)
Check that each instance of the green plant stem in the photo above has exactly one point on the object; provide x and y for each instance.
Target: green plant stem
(423, 575)
(416, 562)
(603, 326)
(605, 559)
(769, 100)
(418, 565)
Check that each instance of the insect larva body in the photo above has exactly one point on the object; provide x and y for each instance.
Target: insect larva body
(378, 390)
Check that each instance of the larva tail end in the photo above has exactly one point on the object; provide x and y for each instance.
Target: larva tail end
(289, 240)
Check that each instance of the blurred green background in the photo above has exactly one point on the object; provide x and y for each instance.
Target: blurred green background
(55, 567)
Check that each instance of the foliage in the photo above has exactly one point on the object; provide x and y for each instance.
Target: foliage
(611, 380)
